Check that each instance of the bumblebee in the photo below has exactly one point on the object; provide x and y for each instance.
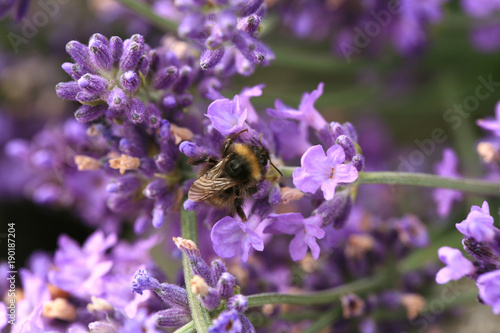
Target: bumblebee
(226, 182)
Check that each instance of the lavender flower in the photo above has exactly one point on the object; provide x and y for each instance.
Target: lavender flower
(231, 237)
(228, 117)
(447, 168)
(488, 285)
(306, 112)
(478, 224)
(227, 322)
(456, 265)
(318, 170)
(305, 232)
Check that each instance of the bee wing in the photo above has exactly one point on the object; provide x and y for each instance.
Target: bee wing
(210, 184)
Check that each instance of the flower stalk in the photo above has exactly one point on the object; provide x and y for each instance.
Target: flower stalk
(200, 315)
(421, 179)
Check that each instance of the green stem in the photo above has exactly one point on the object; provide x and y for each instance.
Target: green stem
(427, 180)
(145, 11)
(321, 297)
(188, 328)
(422, 179)
(200, 315)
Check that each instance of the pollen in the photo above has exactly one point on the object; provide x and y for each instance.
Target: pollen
(333, 173)
(487, 152)
(99, 304)
(199, 286)
(84, 163)
(124, 163)
(59, 308)
(181, 133)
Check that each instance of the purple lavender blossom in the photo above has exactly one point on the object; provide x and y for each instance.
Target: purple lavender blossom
(80, 269)
(457, 266)
(492, 125)
(227, 116)
(489, 289)
(447, 168)
(323, 171)
(305, 232)
(231, 237)
(478, 224)
(306, 113)
(227, 322)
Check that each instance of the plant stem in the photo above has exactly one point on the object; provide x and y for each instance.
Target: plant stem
(145, 11)
(421, 179)
(188, 328)
(321, 297)
(200, 315)
(427, 180)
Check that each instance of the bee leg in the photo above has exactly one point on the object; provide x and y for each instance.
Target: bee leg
(239, 210)
(230, 141)
(238, 202)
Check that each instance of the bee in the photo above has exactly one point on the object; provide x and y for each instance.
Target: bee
(226, 182)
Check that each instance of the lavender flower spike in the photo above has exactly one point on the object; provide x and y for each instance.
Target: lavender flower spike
(318, 170)
(478, 224)
(457, 266)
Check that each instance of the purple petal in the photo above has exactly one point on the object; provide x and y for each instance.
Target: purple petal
(298, 246)
(328, 188)
(288, 223)
(226, 115)
(345, 173)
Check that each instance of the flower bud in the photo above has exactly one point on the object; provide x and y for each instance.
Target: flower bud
(182, 83)
(359, 162)
(165, 77)
(81, 55)
(218, 267)
(347, 145)
(99, 53)
(173, 317)
(225, 285)
(250, 25)
(68, 90)
(153, 115)
(125, 184)
(335, 211)
(87, 113)
(130, 57)
(116, 99)
(116, 49)
(130, 81)
(155, 188)
(142, 281)
(210, 58)
(143, 65)
(136, 111)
